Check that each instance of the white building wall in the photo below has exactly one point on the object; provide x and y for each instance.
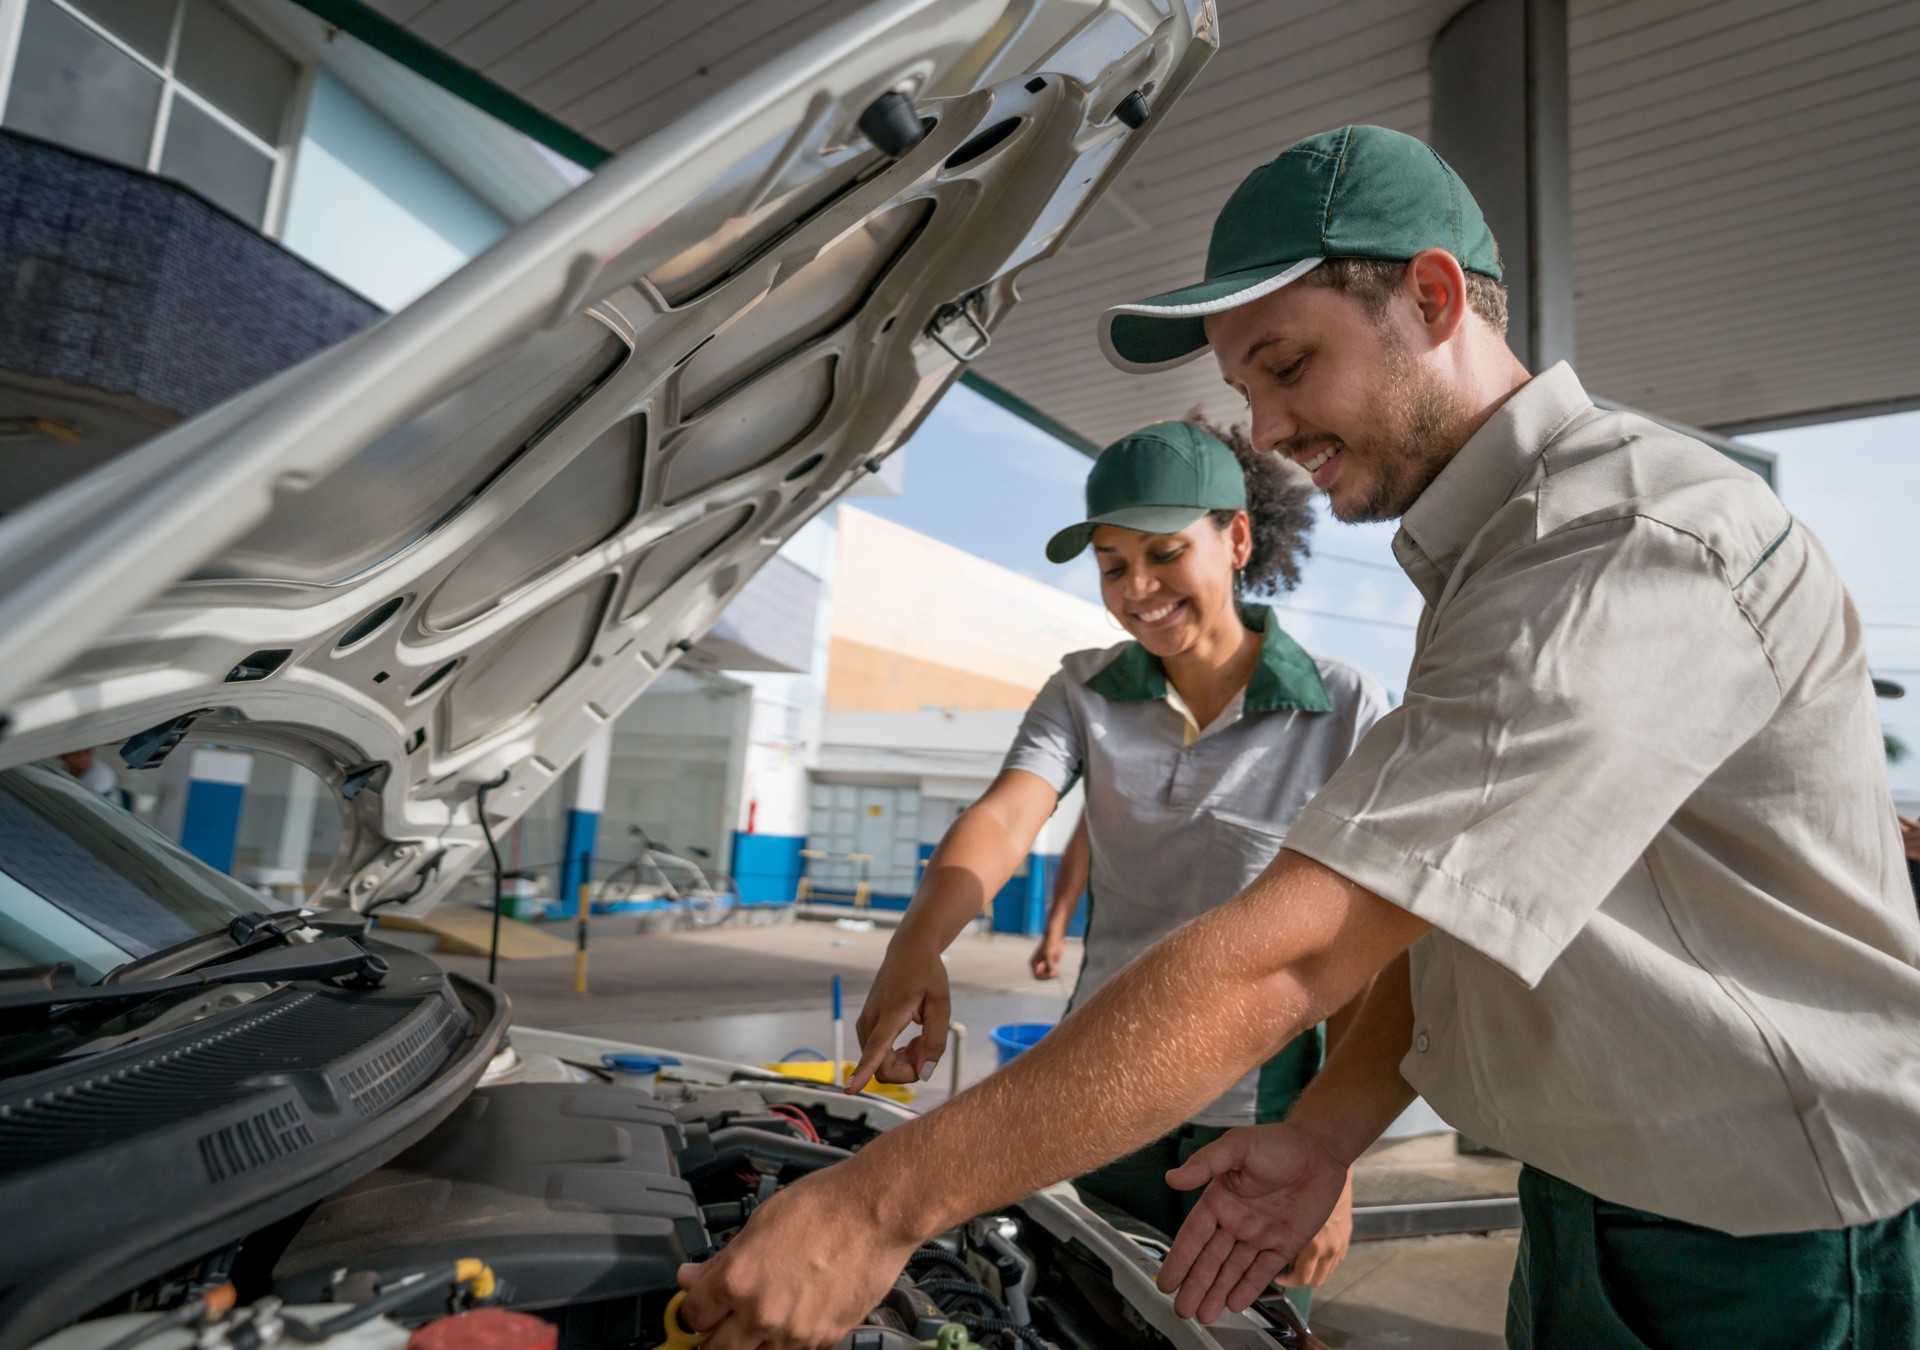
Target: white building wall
(784, 730)
(370, 207)
(949, 757)
(915, 595)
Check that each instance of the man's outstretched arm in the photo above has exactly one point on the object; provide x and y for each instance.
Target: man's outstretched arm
(1271, 1187)
(1168, 1035)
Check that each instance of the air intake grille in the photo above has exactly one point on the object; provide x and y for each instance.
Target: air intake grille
(271, 1134)
(395, 1070)
(119, 1095)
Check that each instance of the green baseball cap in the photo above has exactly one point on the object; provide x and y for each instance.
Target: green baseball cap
(1359, 192)
(1159, 480)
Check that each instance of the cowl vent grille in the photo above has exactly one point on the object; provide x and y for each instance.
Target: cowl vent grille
(273, 1133)
(395, 1070)
(127, 1093)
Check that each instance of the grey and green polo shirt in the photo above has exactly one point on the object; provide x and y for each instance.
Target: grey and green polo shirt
(1181, 818)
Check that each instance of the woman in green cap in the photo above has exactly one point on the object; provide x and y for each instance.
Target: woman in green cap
(1198, 741)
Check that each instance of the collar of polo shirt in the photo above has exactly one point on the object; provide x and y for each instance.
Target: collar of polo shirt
(1285, 680)
(1483, 475)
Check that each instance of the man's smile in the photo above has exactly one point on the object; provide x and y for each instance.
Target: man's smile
(1323, 465)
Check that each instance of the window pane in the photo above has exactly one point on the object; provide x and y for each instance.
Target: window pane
(67, 850)
(223, 61)
(216, 163)
(73, 86)
(142, 24)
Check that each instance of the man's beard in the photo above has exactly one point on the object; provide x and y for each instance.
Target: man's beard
(1414, 434)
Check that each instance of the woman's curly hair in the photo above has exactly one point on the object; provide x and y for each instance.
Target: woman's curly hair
(1279, 508)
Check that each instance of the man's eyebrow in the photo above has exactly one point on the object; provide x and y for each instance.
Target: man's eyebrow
(1262, 345)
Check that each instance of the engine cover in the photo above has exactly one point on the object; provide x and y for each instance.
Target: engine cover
(570, 1191)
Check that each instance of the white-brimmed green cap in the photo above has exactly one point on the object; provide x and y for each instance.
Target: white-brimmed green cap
(1359, 192)
(1158, 480)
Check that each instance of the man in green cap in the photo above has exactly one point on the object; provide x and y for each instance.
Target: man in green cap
(1622, 859)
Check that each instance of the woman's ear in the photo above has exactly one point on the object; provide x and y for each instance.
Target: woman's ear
(1242, 540)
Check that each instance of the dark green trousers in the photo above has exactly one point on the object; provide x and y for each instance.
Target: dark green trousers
(1593, 1275)
(1137, 1183)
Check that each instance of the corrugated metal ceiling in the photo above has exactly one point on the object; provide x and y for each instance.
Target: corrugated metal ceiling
(1745, 177)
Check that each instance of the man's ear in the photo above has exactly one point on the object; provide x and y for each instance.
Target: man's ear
(1437, 286)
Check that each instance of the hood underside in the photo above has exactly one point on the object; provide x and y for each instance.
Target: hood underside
(451, 549)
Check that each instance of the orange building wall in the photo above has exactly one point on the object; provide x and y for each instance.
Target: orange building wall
(861, 678)
(919, 624)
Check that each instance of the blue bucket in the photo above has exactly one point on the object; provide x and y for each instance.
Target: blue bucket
(1014, 1037)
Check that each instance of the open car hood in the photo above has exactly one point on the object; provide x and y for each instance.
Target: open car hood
(454, 547)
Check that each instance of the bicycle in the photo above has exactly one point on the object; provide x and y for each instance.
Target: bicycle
(708, 901)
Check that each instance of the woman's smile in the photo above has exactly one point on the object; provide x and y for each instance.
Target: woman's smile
(1161, 615)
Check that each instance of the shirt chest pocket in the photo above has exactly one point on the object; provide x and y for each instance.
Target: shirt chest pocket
(1238, 850)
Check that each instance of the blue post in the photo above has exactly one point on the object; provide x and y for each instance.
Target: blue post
(583, 821)
(210, 826)
(839, 1034)
(583, 827)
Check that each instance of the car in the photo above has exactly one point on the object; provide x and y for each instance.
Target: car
(429, 565)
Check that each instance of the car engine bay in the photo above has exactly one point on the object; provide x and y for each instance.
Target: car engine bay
(557, 1208)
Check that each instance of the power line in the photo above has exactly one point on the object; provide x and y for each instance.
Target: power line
(1346, 618)
(1357, 562)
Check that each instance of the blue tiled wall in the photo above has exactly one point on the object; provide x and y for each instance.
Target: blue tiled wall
(116, 280)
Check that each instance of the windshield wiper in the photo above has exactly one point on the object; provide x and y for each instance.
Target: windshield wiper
(253, 929)
(332, 958)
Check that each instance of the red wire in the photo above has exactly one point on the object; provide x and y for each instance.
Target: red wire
(787, 1111)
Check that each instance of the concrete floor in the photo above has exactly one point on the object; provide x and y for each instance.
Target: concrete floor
(1428, 1168)
(1437, 1293)
(755, 993)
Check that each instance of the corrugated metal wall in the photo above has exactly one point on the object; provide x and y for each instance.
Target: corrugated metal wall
(1745, 176)
(1745, 182)
(1284, 71)
(614, 70)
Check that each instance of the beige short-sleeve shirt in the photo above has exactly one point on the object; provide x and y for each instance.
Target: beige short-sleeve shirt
(1637, 785)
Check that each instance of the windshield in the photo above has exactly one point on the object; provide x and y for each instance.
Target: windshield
(83, 881)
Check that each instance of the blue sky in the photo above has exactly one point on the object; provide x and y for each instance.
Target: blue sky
(981, 479)
(984, 480)
(1857, 486)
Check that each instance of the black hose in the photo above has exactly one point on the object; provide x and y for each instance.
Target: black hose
(965, 1289)
(994, 1326)
(941, 1256)
(707, 1152)
(998, 1318)
(387, 1300)
(493, 948)
(737, 1142)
